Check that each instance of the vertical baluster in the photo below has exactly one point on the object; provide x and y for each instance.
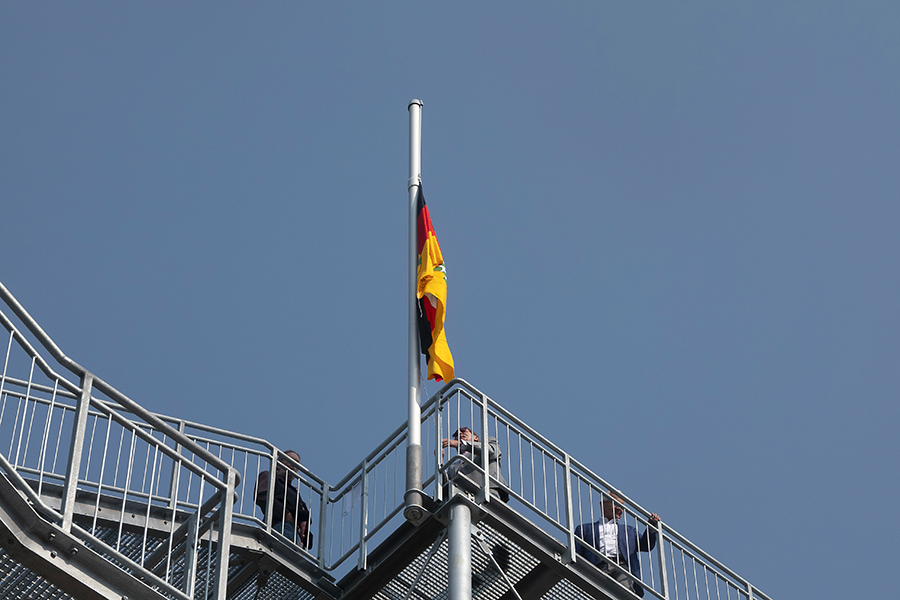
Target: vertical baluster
(3, 378)
(33, 410)
(569, 555)
(59, 435)
(438, 452)
(100, 480)
(176, 473)
(45, 440)
(663, 580)
(363, 514)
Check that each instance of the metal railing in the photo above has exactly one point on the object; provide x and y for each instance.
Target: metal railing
(563, 494)
(171, 485)
(122, 475)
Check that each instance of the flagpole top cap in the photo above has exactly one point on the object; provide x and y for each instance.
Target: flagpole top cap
(415, 101)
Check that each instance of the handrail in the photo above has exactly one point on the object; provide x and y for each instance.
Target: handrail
(55, 518)
(98, 383)
(361, 506)
(562, 462)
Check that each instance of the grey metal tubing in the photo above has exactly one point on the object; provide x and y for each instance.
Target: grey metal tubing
(363, 518)
(154, 558)
(104, 407)
(686, 545)
(99, 384)
(412, 496)
(355, 547)
(36, 387)
(372, 457)
(54, 517)
(236, 436)
(460, 552)
(77, 445)
(474, 395)
(323, 512)
(225, 520)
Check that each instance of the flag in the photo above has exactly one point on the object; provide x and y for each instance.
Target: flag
(431, 292)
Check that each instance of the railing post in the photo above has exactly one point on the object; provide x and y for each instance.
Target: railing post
(663, 576)
(270, 493)
(75, 450)
(226, 511)
(190, 554)
(438, 452)
(323, 510)
(484, 494)
(749, 591)
(569, 555)
(363, 515)
(175, 479)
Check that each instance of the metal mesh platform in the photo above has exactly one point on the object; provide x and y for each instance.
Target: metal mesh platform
(18, 582)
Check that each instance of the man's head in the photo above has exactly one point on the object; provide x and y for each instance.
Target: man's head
(465, 434)
(612, 507)
(289, 463)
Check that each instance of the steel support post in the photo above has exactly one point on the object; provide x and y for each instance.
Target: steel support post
(460, 552)
(190, 555)
(663, 576)
(226, 510)
(270, 494)
(569, 555)
(75, 450)
(175, 478)
(484, 494)
(363, 515)
(323, 511)
(438, 452)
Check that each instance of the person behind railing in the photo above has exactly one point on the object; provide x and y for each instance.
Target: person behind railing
(619, 543)
(290, 516)
(469, 446)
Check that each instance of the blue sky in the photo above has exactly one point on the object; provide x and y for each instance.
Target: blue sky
(671, 234)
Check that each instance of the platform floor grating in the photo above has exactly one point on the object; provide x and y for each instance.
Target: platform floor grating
(427, 573)
(18, 582)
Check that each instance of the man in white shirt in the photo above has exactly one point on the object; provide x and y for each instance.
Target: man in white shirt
(618, 543)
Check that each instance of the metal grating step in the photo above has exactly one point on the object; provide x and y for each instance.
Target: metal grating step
(18, 582)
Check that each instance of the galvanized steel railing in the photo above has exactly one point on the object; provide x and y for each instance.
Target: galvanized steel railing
(121, 473)
(148, 471)
(563, 493)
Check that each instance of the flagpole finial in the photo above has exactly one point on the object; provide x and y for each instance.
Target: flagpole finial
(414, 101)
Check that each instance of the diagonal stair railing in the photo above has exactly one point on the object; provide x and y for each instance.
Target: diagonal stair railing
(110, 472)
(160, 495)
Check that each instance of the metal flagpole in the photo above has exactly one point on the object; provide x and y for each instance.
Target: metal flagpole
(413, 509)
(460, 526)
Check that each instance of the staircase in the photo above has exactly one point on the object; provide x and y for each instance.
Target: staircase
(102, 499)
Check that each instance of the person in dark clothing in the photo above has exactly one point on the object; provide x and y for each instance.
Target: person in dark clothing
(617, 542)
(290, 516)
